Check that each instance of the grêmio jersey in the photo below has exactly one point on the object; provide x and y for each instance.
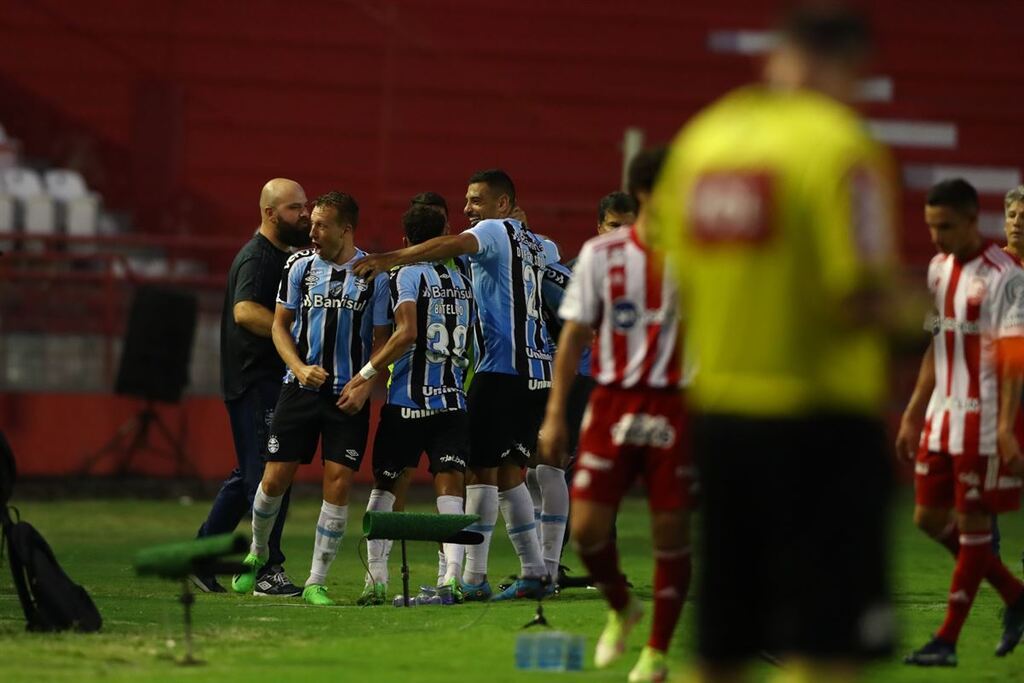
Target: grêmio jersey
(335, 313)
(507, 273)
(556, 282)
(430, 374)
(776, 208)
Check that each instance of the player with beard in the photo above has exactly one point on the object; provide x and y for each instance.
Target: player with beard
(251, 370)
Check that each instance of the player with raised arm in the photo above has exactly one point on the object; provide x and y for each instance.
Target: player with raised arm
(959, 425)
(326, 321)
(635, 424)
(513, 368)
(426, 405)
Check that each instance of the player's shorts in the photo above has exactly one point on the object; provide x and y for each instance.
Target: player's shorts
(403, 434)
(793, 537)
(575, 408)
(971, 483)
(632, 432)
(505, 412)
(303, 416)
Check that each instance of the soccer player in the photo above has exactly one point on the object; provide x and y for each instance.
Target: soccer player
(635, 423)
(426, 403)
(251, 371)
(775, 208)
(513, 368)
(960, 420)
(326, 321)
(1014, 225)
(615, 210)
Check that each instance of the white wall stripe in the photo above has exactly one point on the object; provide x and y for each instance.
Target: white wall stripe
(904, 133)
(986, 179)
(991, 224)
(741, 42)
(875, 89)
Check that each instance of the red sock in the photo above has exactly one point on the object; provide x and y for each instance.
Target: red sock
(603, 564)
(671, 583)
(1009, 586)
(972, 563)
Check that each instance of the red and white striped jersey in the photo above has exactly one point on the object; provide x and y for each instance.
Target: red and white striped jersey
(619, 288)
(977, 302)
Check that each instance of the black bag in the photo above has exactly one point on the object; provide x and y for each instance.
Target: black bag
(50, 600)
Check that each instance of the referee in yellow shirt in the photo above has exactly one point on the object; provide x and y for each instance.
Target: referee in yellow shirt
(777, 212)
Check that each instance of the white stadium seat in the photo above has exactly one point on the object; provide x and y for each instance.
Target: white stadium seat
(81, 206)
(38, 214)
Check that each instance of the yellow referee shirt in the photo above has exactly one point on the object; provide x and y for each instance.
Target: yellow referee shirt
(776, 209)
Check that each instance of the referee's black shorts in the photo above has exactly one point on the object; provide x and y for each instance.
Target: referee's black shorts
(505, 412)
(793, 529)
(303, 416)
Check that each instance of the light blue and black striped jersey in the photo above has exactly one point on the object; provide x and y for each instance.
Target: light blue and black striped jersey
(430, 374)
(335, 313)
(556, 281)
(507, 272)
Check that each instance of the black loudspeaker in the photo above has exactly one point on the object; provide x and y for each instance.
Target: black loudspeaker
(158, 345)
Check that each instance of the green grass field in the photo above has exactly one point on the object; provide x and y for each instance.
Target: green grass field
(260, 639)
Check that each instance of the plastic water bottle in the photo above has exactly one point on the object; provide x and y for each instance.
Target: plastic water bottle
(399, 601)
(550, 651)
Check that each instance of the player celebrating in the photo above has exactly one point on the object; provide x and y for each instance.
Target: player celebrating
(513, 367)
(635, 423)
(426, 404)
(326, 320)
(960, 420)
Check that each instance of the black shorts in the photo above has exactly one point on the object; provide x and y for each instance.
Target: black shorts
(794, 536)
(505, 412)
(302, 416)
(575, 409)
(403, 434)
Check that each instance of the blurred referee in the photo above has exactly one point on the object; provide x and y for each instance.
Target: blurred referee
(251, 370)
(776, 209)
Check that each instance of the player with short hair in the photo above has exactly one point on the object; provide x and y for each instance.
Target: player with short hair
(432, 304)
(513, 368)
(959, 424)
(615, 210)
(635, 424)
(775, 209)
(327, 320)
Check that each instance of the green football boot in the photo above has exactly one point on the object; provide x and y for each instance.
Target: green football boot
(243, 583)
(316, 594)
(373, 594)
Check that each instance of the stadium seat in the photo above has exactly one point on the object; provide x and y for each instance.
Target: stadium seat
(37, 209)
(81, 207)
(8, 150)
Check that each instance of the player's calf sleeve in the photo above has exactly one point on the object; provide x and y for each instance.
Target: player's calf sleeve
(553, 516)
(1002, 579)
(264, 514)
(330, 529)
(533, 485)
(602, 561)
(972, 563)
(453, 552)
(481, 499)
(671, 583)
(377, 550)
(517, 509)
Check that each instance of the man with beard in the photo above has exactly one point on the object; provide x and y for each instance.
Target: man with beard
(251, 370)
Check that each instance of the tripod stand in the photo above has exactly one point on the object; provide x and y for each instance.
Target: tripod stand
(137, 435)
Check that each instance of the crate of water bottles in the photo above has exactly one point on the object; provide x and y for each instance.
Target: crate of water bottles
(550, 651)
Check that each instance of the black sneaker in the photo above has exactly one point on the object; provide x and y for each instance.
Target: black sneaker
(1013, 628)
(207, 584)
(936, 652)
(275, 583)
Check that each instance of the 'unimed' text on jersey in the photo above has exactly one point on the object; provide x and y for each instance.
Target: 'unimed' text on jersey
(430, 374)
(507, 272)
(977, 303)
(620, 288)
(335, 313)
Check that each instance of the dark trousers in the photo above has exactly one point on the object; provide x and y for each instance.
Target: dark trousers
(250, 415)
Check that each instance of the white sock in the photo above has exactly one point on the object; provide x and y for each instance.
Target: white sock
(481, 499)
(554, 514)
(377, 550)
(453, 552)
(535, 495)
(330, 529)
(442, 565)
(264, 514)
(517, 509)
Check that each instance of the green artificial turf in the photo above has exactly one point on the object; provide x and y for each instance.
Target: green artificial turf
(261, 639)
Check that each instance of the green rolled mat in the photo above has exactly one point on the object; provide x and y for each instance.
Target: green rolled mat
(177, 560)
(414, 526)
